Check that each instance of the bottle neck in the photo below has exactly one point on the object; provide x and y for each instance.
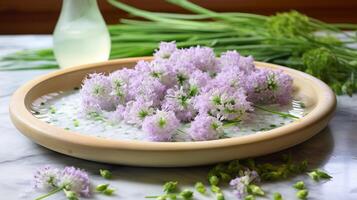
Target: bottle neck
(73, 9)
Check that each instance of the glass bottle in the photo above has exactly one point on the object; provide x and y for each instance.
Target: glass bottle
(81, 35)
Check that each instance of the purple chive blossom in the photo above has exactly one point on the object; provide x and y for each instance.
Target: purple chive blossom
(202, 58)
(268, 87)
(205, 127)
(224, 79)
(180, 102)
(46, 177)
(224, 103)
(118, 114)
(148, 88)
(241, 183)
(162, 71)
(146, 83)
(239, 187)
(161, 126)
(119, 82)
(89, 107)
(182, 66)
(75, 180)
(231, 60)
(181, 71)
(199, 79)
(165, 50)
(96, 90)
(137, 111)
(142, 67)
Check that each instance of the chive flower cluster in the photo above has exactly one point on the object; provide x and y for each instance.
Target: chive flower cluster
(179, 86)
(72, 181)
(243, 185)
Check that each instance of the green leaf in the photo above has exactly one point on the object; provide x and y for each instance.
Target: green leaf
(255, 190)
(322, 174)
(70, 195)
(109, 191)
(219, 196)
(314, 176)
(318, 174)
(213, 180)
(215, 189)
(200, 188)
(105, 173)
(170, 186)
(101, 187)
(249, 197)
(186, 194)
(277, 196)
(299, 185)
(302, 194)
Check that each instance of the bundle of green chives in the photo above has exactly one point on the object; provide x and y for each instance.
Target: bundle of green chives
(289, 38)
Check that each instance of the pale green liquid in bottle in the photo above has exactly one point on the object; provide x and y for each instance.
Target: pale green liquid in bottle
(81, 36)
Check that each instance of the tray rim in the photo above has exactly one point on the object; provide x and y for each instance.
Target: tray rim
(23, 119)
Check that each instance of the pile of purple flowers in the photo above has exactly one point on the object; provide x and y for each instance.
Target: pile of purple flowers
(184, 86)
(72, 181)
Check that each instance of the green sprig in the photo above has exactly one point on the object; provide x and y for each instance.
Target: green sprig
(186, 194)
(105, 173)
(277, 196)
(170, 186)
(200, 187)
(255, 190)
(318, 174)
(282, 114)
(299, 185)
(302, 194)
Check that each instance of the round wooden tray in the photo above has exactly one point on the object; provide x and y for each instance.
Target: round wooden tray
(315, 94)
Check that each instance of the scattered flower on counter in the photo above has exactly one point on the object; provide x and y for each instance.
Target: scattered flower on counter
(72, 181)
(75, 180)
(46, 177)
(242, 185)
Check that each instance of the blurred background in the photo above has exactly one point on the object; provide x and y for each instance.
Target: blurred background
(40, 16)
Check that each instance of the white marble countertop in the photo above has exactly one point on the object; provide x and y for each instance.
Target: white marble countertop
(334, 150)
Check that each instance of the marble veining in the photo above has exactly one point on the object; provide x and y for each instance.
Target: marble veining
(334, 149)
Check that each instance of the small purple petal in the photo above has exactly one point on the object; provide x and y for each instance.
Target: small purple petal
(161, 126)
(137, 111)
(241, 183)
(205, 127)
(46, 177)
(178, 101)
(165, 50)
